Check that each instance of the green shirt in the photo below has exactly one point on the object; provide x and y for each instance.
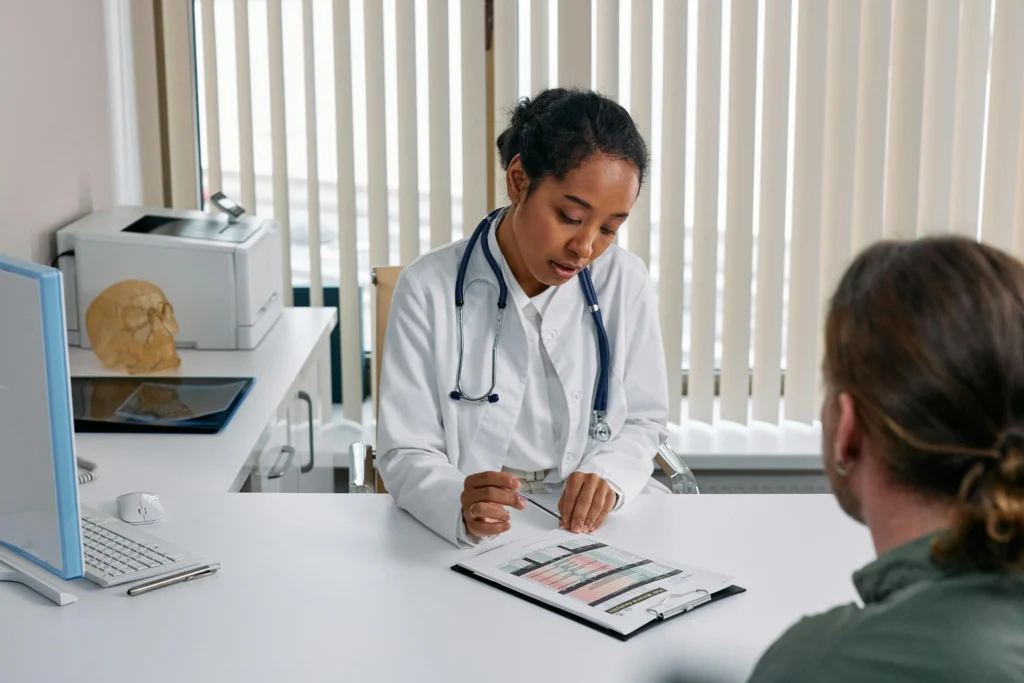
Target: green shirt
(921, 621)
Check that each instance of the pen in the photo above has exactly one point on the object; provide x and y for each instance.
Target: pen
(171, 579)
(547, 510)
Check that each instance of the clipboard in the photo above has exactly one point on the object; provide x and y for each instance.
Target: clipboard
(670, 607)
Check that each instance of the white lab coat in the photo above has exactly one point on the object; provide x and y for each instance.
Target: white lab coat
(428, 443)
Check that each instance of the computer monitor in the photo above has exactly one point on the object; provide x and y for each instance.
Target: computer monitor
(39, 512)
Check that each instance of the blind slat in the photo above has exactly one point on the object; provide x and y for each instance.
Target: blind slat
(574, 22)
(440, 125)
(1003, 123)
(215, 181)
(279, 141)
(838, 150)
(348, 286)
(641, 29)
(506, 77)
(408, 153)
(739, 211)
(904, 136)
(673, 205)
(1018, 211)
(539, 67)
(937, 125)
(771, 241)
(475, 146)
(969, 116)
(244, 84)
(801, 363)
(316, 288)
(872, 103)
(607, 27)
(705, 212)
(376, 135)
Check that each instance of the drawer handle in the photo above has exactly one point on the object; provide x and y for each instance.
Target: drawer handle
(309, 407)
(278, 470)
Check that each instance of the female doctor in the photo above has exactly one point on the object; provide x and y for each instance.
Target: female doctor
(530, 353)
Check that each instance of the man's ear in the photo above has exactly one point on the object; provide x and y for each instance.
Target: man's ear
(516, 181)
(849, 432)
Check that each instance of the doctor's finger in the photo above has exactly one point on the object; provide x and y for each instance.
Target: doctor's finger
(493, 494)
(568, 500)
(488, 511)
(501, 480)
(609, 504)
(604, 501)
(584, 503)
(484, 529)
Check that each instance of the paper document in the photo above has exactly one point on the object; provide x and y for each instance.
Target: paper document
(581, 574)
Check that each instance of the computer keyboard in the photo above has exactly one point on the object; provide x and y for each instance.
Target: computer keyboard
(116, 552)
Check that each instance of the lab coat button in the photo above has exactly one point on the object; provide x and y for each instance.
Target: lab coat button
(576, 396)
(552, 335)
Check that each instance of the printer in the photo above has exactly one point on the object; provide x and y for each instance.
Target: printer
(221, 273)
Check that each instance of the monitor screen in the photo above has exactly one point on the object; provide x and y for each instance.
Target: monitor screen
(39, 513)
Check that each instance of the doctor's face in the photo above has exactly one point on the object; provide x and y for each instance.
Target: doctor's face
(562, 226)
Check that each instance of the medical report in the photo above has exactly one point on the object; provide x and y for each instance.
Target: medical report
(611, 587)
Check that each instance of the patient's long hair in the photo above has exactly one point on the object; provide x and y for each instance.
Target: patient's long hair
(927, 338)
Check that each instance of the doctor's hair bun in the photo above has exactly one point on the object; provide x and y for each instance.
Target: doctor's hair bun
(559, 129)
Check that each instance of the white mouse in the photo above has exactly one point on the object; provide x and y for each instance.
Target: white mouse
(140, 508)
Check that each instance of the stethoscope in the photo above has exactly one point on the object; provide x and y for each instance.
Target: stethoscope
(599, 428)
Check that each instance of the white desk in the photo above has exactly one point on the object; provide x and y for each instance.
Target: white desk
(346, 587)
(220, 462)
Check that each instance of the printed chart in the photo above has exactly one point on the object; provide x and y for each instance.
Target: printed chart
(592, 572)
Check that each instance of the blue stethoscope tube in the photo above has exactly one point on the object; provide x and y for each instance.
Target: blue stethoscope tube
(599, 428)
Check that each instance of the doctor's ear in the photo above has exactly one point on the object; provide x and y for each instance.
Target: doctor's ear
(517, 183)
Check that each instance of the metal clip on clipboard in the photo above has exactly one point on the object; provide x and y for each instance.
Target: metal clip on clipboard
(684, 606)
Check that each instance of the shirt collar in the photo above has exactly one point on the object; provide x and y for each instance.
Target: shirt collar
(518, 295)
(900, 568)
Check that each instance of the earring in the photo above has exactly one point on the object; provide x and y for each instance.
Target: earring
(841, 468)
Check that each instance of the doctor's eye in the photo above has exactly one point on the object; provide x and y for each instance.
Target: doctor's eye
(608, 231)
(567, 219)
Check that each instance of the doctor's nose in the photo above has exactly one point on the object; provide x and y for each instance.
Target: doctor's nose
(582, 246)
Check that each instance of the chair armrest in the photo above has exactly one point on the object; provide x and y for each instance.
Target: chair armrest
(361, 473)
(679, 475)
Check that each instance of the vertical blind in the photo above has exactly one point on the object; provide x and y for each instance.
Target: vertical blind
(786, 135)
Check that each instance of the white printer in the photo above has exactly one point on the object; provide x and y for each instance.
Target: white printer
(220, 272)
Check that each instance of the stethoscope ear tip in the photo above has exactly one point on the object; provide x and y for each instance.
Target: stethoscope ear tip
(456, 395)
(493, 398)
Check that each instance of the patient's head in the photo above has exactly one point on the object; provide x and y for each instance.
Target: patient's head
(924, 374)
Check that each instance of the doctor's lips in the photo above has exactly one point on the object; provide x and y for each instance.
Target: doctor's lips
(564, 270)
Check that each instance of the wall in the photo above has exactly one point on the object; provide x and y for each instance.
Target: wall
(55, 139)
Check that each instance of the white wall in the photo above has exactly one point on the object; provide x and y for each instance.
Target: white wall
(55, 149)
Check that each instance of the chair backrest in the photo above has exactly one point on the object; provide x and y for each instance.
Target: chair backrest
(384, 279)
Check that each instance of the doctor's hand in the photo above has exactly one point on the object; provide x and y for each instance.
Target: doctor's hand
(484, 498)
(586, 501)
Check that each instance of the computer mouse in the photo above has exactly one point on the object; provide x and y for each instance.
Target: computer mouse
(140, 508)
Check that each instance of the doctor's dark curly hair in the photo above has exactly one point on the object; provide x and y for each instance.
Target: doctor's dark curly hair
(559, 129)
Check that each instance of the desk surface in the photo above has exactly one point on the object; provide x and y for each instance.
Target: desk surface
(347, 587)
(204, 463)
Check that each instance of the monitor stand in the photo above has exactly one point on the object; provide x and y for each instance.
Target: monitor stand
(17, 569)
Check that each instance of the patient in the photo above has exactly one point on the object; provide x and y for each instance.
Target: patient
(923, 424)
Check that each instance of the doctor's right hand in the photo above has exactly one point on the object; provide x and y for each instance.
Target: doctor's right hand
(484, 499)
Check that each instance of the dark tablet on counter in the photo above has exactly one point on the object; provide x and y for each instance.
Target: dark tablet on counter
(156, 405)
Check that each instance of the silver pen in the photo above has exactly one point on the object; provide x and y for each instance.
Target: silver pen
(542, 507)
(171, 579)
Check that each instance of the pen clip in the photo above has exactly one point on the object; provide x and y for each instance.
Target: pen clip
(657, 610)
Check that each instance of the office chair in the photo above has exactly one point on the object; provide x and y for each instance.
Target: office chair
(362, 473)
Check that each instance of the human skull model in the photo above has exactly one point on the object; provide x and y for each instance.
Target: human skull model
(131, 326)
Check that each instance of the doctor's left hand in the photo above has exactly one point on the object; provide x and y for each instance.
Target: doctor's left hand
(586, 501)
